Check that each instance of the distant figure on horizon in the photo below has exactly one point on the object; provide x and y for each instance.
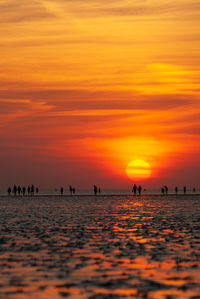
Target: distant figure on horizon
(139, 189)
(134, 189)
(184, 189)
(176, 190)
(194, 190)
(99, 190)
(37, 190)
(61, 190)
(29, 190)
(70, 189)
(95, 190)
(23, 191)
(163, 191)
(19, 189)
(15, 190)
(32, 190)
(9, 190)
(73, 190)
(166, 190)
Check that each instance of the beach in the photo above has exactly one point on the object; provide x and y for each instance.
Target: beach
(116, 246)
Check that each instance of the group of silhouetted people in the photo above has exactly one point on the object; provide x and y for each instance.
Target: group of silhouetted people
(96, 190)
(72, 190)
(164, 190)
(18, 190)
(137, 189)
(31, 190)
(184, 190)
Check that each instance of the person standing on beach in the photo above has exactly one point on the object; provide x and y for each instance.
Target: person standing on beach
(139, 189)
(32, 190)
(176, 190)
(70, 190)
(184, 189)
(29, 190)
(166, 189)
(23, 191)
(95, 190)
(163, 191)
(15, 190)
(61, 190)
(134, 189)
(19, 189)
(9, 190)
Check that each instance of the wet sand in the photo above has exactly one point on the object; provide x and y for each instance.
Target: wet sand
(100, 247)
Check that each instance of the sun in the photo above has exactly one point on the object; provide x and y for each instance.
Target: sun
(138, 170)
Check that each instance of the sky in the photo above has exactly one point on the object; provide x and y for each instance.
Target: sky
(89, 86)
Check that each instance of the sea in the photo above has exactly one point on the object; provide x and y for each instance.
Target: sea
(113, 245)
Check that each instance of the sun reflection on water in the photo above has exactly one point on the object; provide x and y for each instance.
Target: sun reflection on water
(85, 248)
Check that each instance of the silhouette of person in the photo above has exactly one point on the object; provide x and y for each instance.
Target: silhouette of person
(32, 190)
(23, 191)
(95, 190)
(73, 190)
(15, 190)
(134, 189)
(99, 190)
(29, 190)
(139, 190)
(19, 190)
(70, 189)
(176, 190)
(184, 189)
(166, 189)
(163, 191)
(61, 190)
(194, 190)
(37, 190)
(9, 190)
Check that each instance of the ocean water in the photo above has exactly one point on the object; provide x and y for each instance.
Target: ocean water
(108, 246)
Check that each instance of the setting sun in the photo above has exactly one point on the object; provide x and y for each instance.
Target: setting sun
(138, 169)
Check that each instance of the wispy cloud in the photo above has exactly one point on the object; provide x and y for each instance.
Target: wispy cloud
(61, 100)
(128, 8)
(23, 11)
(13, 109)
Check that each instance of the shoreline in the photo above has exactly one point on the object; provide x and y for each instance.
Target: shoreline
(100, 195)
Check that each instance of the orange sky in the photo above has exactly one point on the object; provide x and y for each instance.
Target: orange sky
(88, 86)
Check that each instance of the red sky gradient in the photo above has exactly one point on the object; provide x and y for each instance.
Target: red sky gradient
(88, 86)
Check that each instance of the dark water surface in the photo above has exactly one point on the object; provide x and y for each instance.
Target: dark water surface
(103, 247)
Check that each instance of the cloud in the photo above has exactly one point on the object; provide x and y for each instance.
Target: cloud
(13, 11)
(14, 109)
(192, 130)
(66, 40)
(62, 100)
(128, 8)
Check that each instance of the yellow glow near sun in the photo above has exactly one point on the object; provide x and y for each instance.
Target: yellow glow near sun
(138, 169)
